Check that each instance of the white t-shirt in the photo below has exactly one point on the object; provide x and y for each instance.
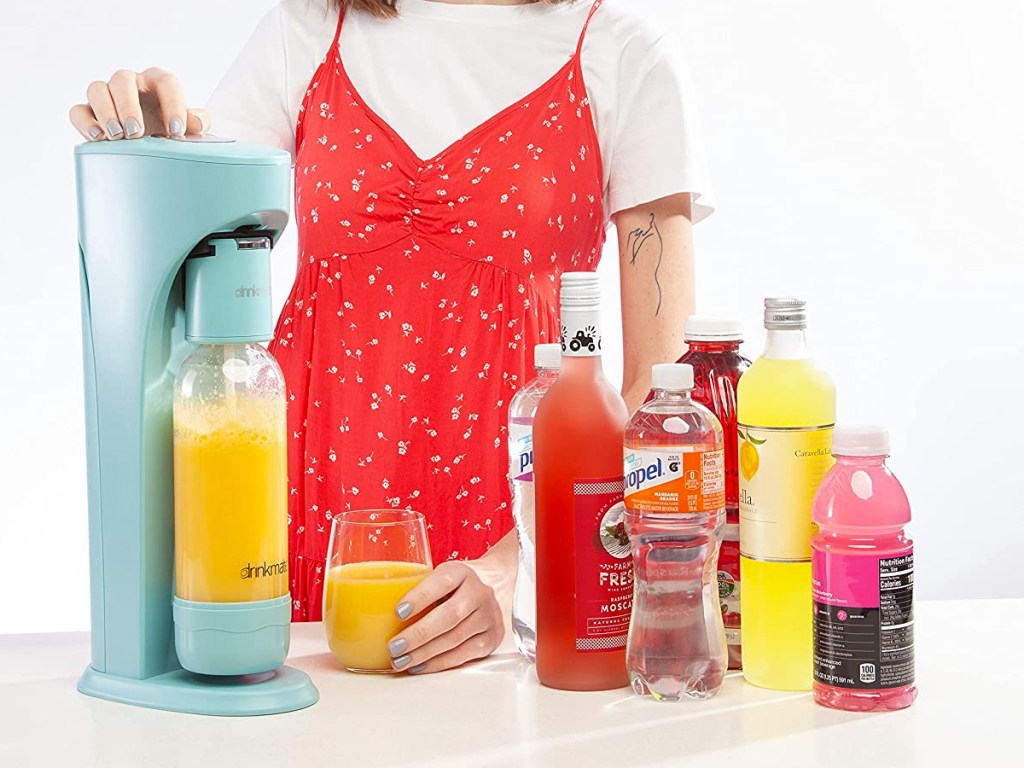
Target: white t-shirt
(440, 69)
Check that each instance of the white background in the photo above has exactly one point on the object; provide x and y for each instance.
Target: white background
(868, 156)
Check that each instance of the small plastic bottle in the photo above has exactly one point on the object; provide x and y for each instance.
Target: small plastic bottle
(675, 512)
(547, 358)
(862, 567)
(714, 352)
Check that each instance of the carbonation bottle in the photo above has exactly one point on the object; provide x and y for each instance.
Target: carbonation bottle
(230, 476)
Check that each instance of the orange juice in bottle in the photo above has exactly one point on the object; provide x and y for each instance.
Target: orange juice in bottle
(230, 476)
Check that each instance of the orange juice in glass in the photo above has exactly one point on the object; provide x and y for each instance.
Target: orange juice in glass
(375, 558)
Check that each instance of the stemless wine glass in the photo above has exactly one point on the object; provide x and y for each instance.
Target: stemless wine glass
(374, 558)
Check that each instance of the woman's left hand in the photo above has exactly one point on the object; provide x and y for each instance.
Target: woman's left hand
(467, 625)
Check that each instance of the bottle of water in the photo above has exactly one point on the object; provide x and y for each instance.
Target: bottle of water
(547, 359)
(675, 515)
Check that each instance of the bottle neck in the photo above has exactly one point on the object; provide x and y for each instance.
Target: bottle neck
(672, 395)
(581, 332)
(861, 461)
(547, 374)
(789, 344)
(713, 346)
(589, 366)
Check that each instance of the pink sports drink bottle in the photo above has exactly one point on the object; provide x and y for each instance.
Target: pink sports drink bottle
(862, 567)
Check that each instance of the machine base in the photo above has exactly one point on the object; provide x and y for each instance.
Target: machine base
(283, 690)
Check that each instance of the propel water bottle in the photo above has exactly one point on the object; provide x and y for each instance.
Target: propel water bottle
(547, 358)
(675, 514)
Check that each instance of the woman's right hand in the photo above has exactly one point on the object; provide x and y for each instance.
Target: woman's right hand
(134, 104)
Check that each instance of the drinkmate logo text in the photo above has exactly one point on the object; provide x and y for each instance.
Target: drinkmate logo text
(250, 571)
(252, 291)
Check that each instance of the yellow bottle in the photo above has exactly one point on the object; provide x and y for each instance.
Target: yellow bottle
(786, 411)
(230, 476)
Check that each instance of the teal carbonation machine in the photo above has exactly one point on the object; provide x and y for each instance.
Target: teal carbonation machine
(185, 426)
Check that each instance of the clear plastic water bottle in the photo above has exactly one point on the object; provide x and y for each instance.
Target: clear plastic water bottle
(547, 358)
(675, 516)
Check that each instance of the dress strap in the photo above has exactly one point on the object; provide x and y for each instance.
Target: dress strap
(337, 32)
(583, 32)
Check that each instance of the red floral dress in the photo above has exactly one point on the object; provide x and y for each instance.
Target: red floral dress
(423, 285)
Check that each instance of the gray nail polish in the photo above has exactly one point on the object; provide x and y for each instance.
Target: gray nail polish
(403, 610)
(114, 128)
(398, 646)
(132, 126)
(95, 132)
(417, 669)
(177, 126)
(401, 661)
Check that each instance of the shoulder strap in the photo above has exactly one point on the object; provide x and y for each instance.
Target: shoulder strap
(337, 32)
(583, 32)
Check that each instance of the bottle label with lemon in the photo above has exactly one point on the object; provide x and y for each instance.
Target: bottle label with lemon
(779, 472)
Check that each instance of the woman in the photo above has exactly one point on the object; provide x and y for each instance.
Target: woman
(436, 207)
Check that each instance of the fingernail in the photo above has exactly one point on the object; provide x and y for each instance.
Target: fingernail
(401, 661)
(132, 126)
(403, 610)
(417, 669)
(398, 646)
(95, 132)
(177, 126)
(114, 128)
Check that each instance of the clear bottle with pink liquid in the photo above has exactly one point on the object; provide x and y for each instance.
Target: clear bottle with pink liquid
(862, 566)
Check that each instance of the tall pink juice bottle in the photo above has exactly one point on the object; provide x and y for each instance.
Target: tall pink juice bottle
(584, 568)
(714, 352)
(862, 567)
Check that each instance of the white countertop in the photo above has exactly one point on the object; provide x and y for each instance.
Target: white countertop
(970, 670)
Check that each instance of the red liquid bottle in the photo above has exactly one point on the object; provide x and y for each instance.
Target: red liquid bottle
(584, 567)
(714, 353)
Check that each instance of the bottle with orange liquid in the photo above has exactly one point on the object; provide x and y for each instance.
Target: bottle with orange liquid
(230, 476)
(584, 569)
(231, 607)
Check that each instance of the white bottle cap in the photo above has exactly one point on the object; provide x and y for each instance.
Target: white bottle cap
(860, 440)
(580, 289)
(713, 328)
(672, 376)
(547, 356)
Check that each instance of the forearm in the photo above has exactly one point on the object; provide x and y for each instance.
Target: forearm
(657, 285)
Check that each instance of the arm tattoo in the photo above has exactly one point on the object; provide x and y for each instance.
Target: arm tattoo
(637, 239)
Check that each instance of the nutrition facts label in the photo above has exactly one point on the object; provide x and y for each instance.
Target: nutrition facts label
(864, 632)
(896, 621)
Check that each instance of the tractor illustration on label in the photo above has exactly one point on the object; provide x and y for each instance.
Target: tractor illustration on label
(585, 338)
